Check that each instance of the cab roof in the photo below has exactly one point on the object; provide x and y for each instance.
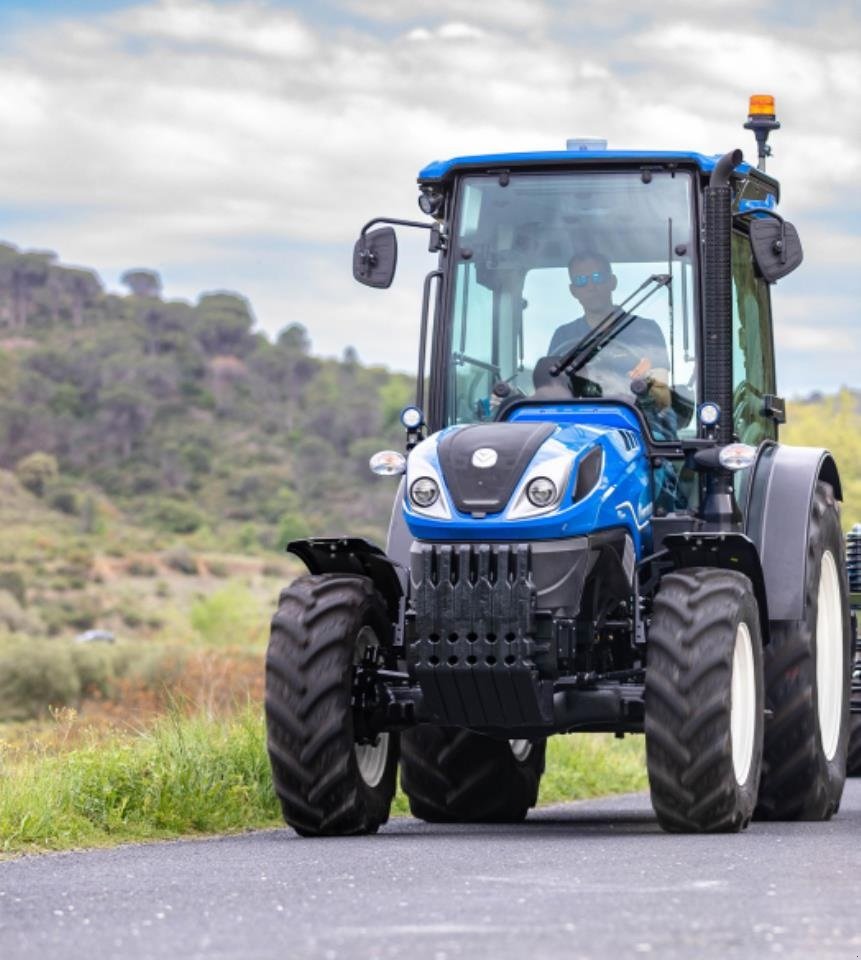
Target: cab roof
(441, 170)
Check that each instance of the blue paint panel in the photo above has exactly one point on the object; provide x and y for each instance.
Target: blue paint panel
(439, 169)
(622, 497)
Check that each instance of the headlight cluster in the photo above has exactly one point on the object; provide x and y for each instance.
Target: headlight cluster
(424, 492)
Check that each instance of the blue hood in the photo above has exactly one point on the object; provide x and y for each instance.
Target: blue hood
(595, 455)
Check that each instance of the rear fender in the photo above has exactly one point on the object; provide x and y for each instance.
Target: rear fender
(726, 551)
(777, 519)
(352, 555)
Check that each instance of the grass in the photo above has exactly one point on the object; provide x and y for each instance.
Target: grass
(202, 775)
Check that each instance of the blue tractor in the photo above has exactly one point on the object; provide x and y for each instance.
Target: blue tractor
(596, 527)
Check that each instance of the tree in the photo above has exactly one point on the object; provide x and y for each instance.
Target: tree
(223, 323)
(142, 283)
(295, 339)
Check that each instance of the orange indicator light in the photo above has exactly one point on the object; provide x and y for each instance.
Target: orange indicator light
(761, 105)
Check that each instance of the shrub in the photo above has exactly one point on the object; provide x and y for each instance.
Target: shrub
(178, 517)
(12, 581)
(14, 618)
(65, 500)
(141, 568)
(65, 615)
(181, 559)
(291, 527)
(229, 616)
(35, 677)
(36, 471)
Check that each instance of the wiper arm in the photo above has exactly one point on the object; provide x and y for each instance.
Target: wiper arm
(609, 327)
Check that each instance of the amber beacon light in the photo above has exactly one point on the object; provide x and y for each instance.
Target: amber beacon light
(762, 119)
(761, 105)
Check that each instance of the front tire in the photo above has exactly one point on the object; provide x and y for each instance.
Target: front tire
(457, 776)
(704, 701)
(807, 677)
(327, 783)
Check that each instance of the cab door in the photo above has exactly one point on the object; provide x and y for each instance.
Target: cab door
(752, 347)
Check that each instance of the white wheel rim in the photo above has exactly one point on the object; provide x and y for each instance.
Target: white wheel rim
(521, 749)
(742, 717)
(372, 758)
(829, 655)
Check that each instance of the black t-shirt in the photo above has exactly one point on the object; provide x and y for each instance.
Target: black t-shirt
(635, 351)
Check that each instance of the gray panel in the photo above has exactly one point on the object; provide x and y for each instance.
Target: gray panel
(778, 519)
(399, 538)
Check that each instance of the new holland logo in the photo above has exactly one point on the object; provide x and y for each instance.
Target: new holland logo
(483, 458)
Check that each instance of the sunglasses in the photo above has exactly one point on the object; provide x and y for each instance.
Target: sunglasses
(582, 279)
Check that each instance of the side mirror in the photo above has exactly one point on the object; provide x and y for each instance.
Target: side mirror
(375, 257)
(776, 247)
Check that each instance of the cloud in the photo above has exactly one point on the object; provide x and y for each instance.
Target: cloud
(505, 14)
(174, 131)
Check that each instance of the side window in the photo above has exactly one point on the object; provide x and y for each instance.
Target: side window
(474, 367)
(752, 352)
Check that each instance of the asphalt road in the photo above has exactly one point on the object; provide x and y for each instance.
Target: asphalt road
(594, 879)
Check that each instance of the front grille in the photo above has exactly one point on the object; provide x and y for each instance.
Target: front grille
(470, 633)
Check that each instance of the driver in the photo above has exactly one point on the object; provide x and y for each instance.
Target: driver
(638, 352)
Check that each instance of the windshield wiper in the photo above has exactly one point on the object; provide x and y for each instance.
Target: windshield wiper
(610, 326)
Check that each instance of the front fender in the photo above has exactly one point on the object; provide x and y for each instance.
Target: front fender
(777, 519)
(353, 555)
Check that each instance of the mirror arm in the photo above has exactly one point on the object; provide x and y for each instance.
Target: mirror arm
(397, 223)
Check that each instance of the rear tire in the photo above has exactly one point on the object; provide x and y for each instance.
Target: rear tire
(704, 701)
(853, 758)
(807, 681)
(457, 776)
(328, 784)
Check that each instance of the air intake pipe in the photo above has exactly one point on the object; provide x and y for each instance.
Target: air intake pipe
(718, 292)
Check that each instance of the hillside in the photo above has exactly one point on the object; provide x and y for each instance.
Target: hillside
(181, 415)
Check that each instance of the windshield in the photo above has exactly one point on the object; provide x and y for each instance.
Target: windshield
(547, 264)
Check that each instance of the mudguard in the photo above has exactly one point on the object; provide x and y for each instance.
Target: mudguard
(777, 518)
(355, 556)
(727, 551)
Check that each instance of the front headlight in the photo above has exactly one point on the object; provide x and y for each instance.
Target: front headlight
(541, 492)
(424, 492)
(541, 489)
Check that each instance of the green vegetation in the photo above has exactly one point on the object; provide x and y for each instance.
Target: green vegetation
(186, 775)
(196, 775)
(180, 417)
(833, 422)
(592, 765)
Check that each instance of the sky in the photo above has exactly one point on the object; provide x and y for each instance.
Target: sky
(241, 144)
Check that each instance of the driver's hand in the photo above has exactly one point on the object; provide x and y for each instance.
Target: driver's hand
(660, 393)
